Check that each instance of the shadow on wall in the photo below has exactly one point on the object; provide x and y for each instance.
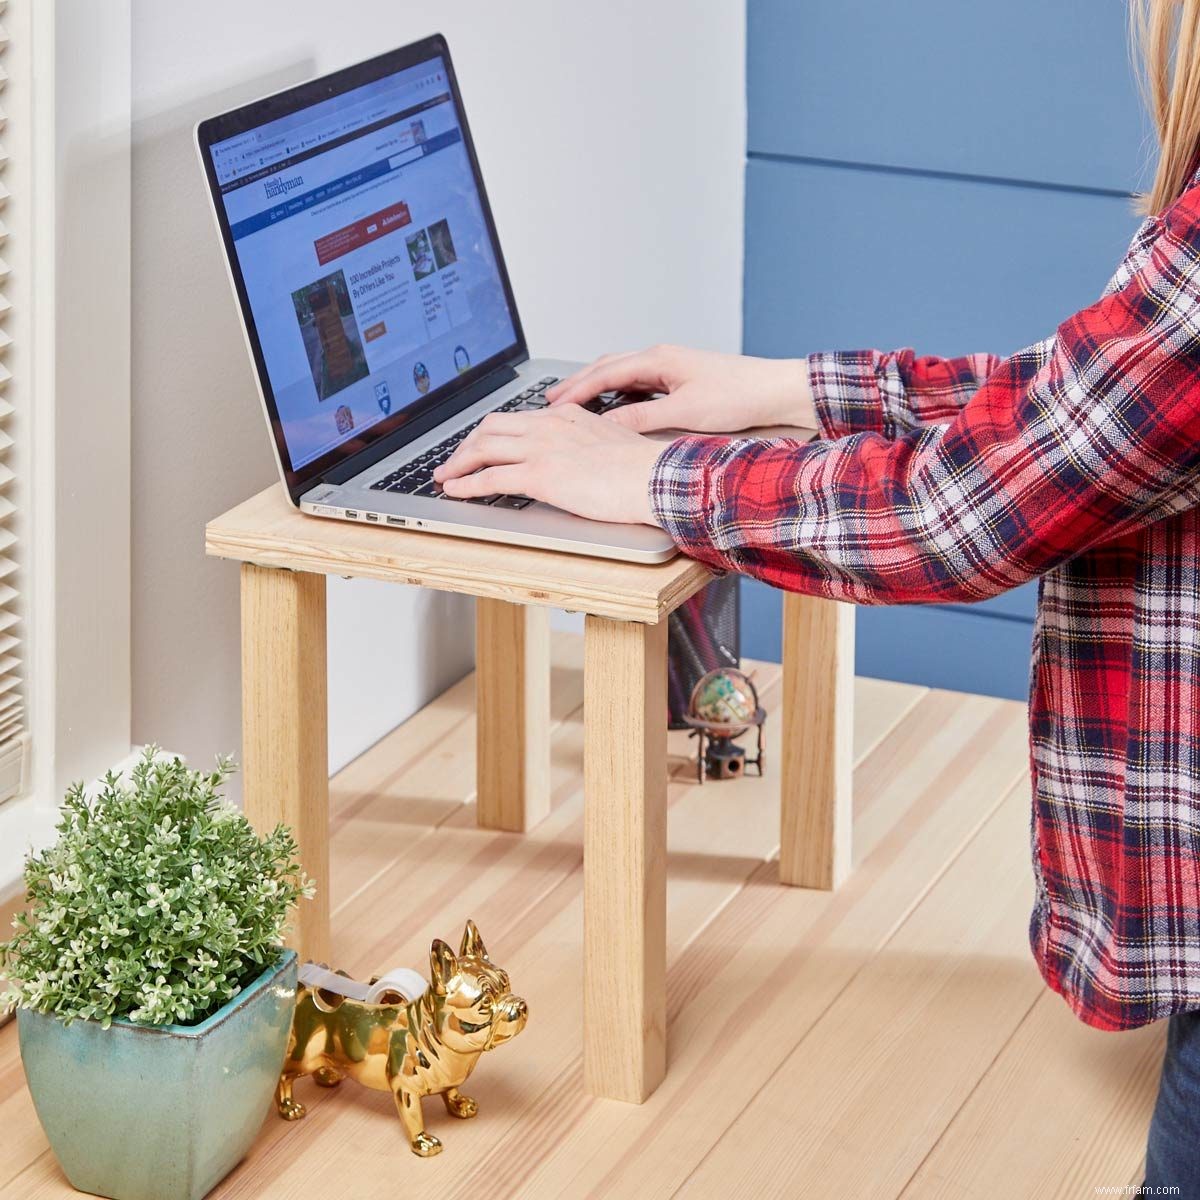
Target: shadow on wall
(197, 435)
(200, 446)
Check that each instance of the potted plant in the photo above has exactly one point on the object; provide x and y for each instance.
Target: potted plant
(154, 996)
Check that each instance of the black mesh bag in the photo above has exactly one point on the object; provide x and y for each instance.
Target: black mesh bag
(702, 635)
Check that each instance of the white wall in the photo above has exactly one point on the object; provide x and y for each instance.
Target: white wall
(67, 139)
(611, 138)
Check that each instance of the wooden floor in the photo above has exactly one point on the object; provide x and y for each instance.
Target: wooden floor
(891, 1039)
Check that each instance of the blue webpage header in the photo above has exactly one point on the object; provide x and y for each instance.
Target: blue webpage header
(335, 187)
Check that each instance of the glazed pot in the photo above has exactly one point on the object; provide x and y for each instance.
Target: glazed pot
(159, 1112)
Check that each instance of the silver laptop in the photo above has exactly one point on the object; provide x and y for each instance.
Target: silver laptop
(376, 304)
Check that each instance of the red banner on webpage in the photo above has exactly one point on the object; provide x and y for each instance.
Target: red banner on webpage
(350, 237)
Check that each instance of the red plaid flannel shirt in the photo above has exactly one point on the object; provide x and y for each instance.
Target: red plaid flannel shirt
(1076, 461)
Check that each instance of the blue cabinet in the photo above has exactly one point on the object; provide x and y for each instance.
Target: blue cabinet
(945, 176)
(839, 258)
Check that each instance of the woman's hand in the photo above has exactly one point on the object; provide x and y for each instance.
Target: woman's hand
(706, 392)
(566, 456)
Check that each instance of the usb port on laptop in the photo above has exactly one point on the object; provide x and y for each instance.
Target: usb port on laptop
(397, 521)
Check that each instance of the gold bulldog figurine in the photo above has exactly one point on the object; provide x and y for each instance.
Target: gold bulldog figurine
(411, 1048)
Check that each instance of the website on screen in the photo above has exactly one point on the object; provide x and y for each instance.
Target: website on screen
(362, 242)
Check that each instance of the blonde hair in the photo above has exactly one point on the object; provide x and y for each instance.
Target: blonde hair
(1167, 33)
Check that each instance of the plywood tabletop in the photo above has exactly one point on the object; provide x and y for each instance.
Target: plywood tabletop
(268, 531)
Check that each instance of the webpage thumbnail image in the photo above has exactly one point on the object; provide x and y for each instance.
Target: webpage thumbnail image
(435, 239)
(329, 329)
(431, 249)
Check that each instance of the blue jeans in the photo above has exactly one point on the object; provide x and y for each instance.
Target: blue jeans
(1173, 1151)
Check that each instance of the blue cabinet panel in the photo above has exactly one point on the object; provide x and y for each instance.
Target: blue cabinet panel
(939, 647)
(1039, 90)
(844, 258)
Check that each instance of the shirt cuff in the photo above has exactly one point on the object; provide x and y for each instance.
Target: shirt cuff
(683, 495)
(687, 495)
(847, 392)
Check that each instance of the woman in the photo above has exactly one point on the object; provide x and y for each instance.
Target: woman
(1076, 461)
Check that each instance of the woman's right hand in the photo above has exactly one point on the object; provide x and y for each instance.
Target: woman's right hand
(705, 392)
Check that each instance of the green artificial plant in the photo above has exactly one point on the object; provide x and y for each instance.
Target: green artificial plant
(158, 903)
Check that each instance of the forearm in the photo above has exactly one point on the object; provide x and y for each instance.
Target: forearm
(929, 518)
(840, 519)
(869, 391)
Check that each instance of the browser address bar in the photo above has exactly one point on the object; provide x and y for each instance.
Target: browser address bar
(376, 105)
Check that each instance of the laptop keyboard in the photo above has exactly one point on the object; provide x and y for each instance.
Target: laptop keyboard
(415, 478)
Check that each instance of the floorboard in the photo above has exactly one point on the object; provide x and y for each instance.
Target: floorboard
(1061, 1112)
(957, 971)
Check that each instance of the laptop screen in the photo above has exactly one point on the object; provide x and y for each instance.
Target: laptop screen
(364, 250)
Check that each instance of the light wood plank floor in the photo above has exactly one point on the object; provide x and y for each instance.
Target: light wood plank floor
(890, 1039)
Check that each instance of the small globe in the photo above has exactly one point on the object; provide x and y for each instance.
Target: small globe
(724, 698)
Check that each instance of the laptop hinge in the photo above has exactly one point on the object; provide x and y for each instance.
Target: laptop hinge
(411, 430)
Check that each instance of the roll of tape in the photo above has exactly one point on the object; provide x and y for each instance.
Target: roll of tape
(314, 975)
(409, 983)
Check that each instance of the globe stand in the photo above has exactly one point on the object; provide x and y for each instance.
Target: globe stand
(718, 755)
(723, 758)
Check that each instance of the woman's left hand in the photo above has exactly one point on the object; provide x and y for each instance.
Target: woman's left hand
(565, 456)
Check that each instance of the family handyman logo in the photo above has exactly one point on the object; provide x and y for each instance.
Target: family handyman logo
(280, 187)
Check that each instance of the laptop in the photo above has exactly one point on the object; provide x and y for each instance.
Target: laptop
(375, 302)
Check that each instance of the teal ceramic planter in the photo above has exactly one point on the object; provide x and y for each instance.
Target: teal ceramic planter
(159, 1112)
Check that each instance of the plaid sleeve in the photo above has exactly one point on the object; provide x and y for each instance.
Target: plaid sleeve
(867, 391)
(1073, 443)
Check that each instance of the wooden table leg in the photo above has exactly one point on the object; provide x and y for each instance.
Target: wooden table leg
(285, 752)
(512, 714)
(817, 748)
(624, 858)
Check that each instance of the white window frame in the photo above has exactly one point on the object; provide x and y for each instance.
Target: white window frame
(68, 106)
